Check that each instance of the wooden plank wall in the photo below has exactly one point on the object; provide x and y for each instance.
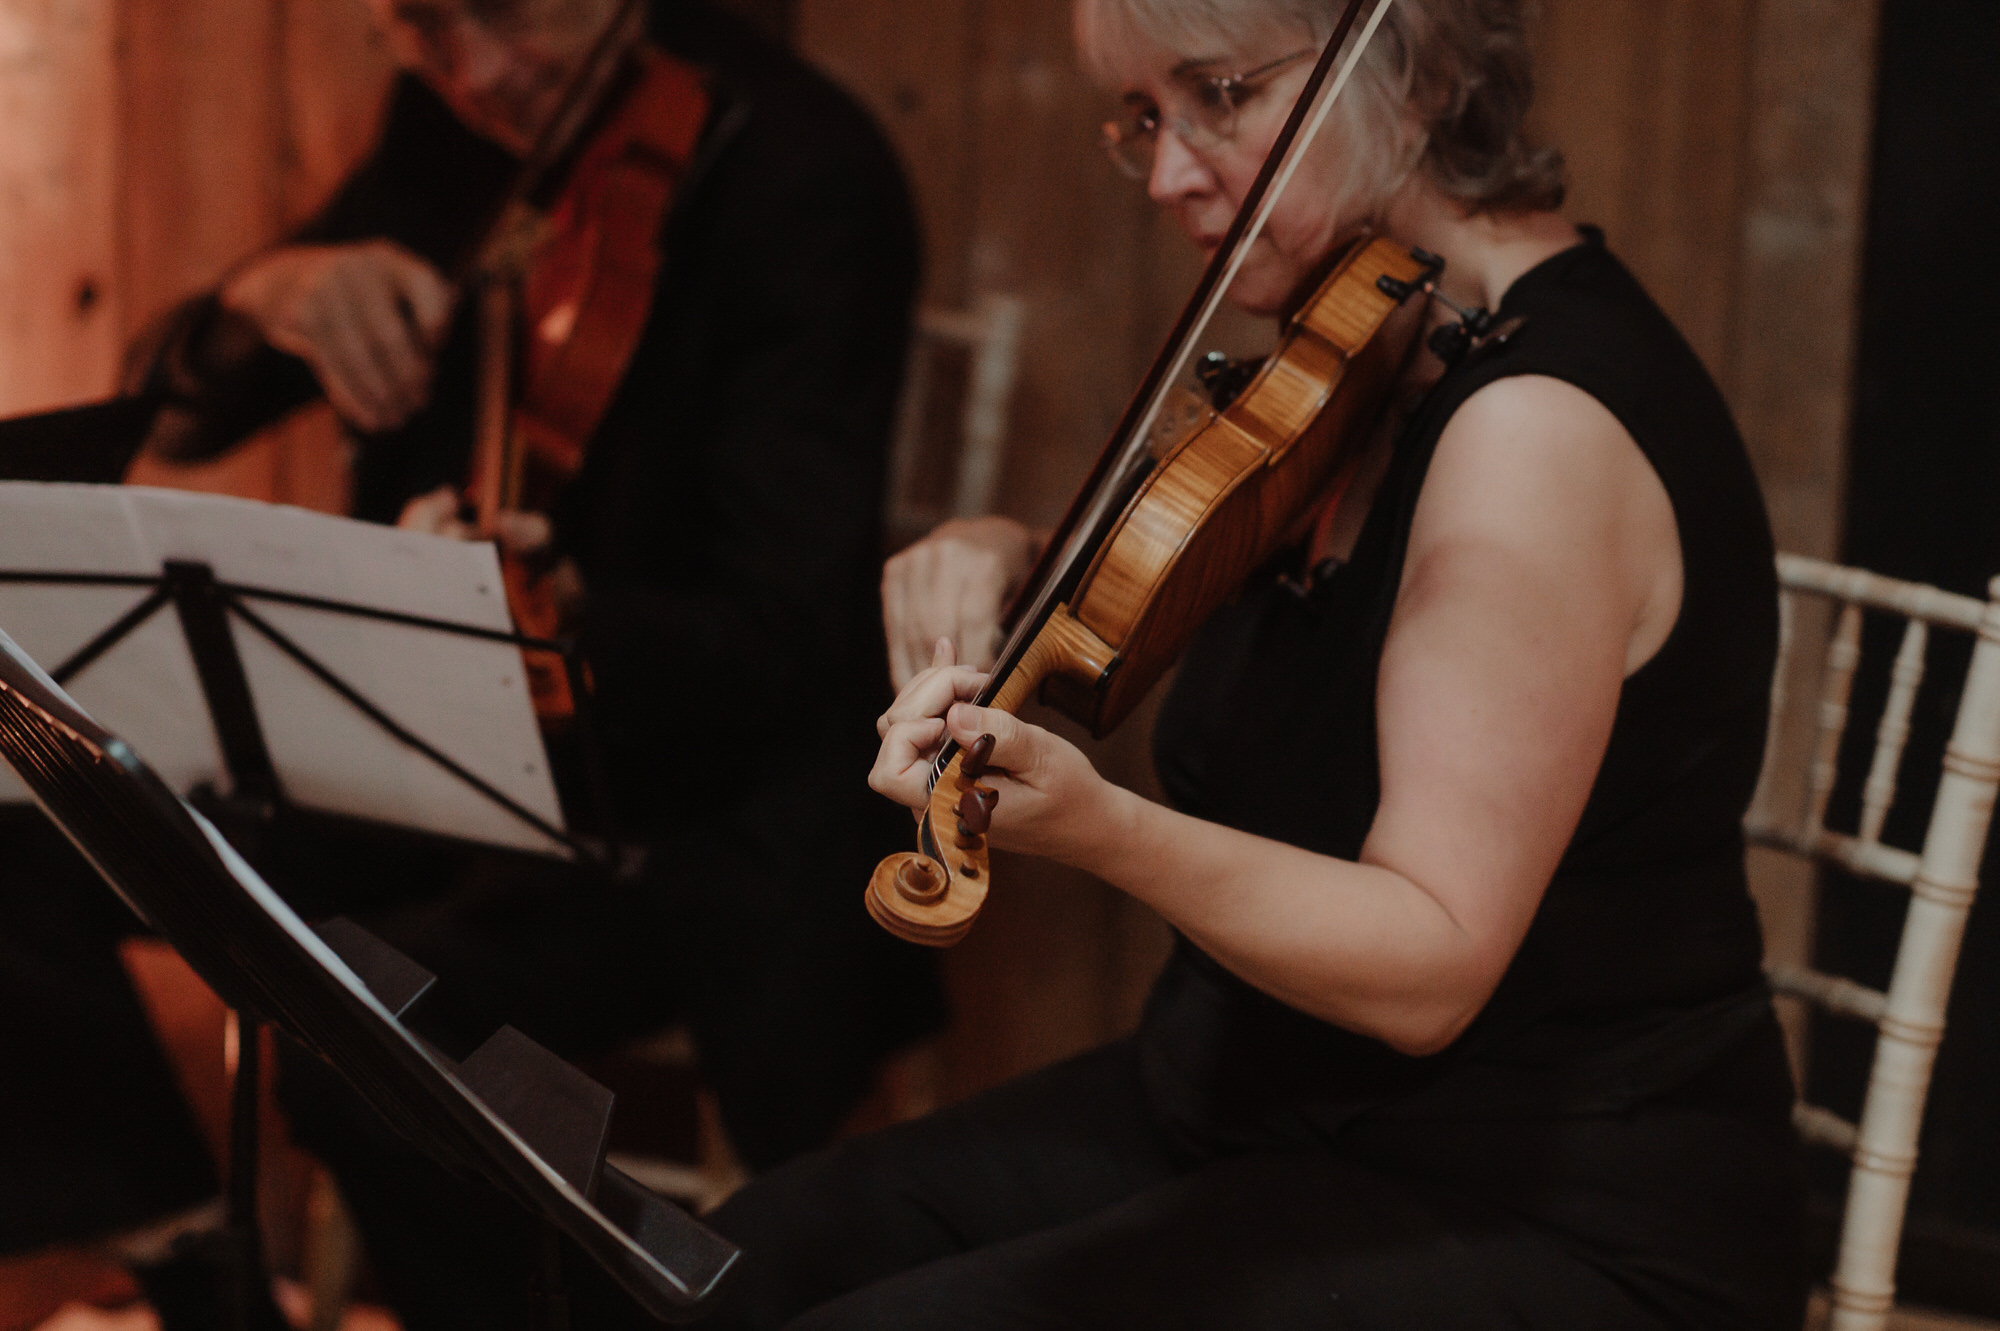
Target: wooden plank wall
(1721, 143)
(61, 323)
(150, 144)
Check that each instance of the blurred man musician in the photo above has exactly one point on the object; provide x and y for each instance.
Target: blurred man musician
(718, 549)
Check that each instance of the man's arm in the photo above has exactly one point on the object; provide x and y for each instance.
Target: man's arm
(228, 367)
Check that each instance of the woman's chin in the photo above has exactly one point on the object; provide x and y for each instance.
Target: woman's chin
(1259, 297)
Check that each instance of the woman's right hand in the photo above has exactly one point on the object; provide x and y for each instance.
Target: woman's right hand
(367, 317)
(955, 583)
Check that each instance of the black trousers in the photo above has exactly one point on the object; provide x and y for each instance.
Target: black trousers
(1054, 1202)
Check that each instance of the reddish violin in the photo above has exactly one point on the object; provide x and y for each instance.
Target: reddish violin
(1164, 532)
(565, 286)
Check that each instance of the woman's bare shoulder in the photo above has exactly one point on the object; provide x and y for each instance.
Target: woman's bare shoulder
(1538, 455)
(1534, 474)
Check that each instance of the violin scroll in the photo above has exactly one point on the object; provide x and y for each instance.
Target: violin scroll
(932, 895)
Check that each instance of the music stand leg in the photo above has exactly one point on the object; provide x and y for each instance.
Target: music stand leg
(551, 1294)
(249, 1286)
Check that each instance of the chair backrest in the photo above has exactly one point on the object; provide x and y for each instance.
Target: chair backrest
(962, 475)
(1942, 877)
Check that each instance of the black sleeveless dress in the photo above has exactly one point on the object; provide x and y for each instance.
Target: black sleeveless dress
(1626, 1085)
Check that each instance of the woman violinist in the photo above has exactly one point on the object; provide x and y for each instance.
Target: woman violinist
(1465, 1026)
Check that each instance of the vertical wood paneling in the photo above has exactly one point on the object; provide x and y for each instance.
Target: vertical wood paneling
(336, 70)
(202, 117)
(1647, 100)
(1722, 144)
(1807, 143)
(240, 117)
(1056, 225)
(913, 68)
(1795, 331)
(60, 298)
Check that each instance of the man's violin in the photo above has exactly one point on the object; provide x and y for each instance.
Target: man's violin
(565, 281)
(1160, 537)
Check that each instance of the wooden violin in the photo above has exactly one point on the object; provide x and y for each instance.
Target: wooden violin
(1162, 535)
(564, 283)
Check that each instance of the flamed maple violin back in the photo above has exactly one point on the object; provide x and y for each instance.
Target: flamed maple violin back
(1218, 505)
(1230, 493)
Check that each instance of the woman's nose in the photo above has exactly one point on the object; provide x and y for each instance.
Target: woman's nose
(1177, 173)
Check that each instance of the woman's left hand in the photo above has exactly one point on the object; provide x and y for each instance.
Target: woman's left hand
(1052, 801)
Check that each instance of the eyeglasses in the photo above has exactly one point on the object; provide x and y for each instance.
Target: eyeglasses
(1209, 117)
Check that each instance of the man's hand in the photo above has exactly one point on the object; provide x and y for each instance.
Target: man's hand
(437, 514)
(527, 536)
(366, 317)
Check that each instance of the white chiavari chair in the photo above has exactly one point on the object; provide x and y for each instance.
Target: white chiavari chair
(986, 338)
(1941, 875)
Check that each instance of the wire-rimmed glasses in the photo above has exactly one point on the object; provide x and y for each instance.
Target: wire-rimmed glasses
(1207, 118)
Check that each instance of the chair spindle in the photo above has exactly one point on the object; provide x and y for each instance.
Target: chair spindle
(1905, 678)
(1841, 656)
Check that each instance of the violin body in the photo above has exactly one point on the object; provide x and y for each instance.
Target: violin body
(566, 291)
(588, 290)
(1218, 504)
(1227, 497)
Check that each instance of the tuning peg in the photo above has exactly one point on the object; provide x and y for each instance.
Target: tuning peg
(977, 755)
(975, 810)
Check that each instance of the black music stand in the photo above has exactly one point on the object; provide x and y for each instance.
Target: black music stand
(204, 606)
(96, 443)
(512, 1112)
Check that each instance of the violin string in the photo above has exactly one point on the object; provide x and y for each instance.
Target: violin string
(1133, 453)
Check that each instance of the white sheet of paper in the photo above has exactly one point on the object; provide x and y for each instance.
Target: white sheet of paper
(465, 697)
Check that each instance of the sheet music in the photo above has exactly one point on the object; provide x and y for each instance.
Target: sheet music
(466, 698)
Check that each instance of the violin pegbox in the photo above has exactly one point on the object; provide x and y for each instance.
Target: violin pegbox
(932, 895)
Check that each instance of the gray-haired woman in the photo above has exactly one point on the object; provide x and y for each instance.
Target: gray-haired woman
(1465, 1026)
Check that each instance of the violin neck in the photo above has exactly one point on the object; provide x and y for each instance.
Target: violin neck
(494, 268)
(497, 458)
